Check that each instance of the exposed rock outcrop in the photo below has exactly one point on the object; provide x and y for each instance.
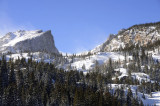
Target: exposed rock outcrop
(138, 34)
(25, 41)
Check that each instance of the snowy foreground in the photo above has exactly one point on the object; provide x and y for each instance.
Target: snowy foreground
(154, 100)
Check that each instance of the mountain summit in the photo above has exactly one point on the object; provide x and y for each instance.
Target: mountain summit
(28, 41)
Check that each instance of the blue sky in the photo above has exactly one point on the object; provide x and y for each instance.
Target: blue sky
(77, 25)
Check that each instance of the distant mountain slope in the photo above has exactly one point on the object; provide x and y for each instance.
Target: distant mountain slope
(34, 41)
(138, 34)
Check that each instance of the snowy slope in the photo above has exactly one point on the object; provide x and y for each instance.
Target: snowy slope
(140, 76)
(22, 35)
(101, 58)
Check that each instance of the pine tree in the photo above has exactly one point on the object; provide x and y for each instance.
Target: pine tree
(100, 100)
(4, 73)
(129, 97)
(141, 103)
(12, 79)
(76, 99)
(12, 94)
(143, 96)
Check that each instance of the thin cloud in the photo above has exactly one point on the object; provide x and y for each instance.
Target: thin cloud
(7, 24)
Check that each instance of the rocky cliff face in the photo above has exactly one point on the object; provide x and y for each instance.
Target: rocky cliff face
(138, 34)
(25, 41)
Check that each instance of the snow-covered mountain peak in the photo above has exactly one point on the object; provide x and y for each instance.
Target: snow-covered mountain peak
(21, 35)
(35, 40)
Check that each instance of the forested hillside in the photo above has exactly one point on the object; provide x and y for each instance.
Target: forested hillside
(40, 84)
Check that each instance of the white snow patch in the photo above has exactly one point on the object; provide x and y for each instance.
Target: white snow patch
(154, 100)
(123, 72)
(101, 58)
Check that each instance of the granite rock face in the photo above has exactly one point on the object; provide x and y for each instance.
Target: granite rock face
(28, 41)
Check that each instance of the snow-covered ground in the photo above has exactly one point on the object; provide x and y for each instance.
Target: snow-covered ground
(36, 56)
(123, 72)
(101, 58)
(154, 100)
(155, 54)
(140, 76)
